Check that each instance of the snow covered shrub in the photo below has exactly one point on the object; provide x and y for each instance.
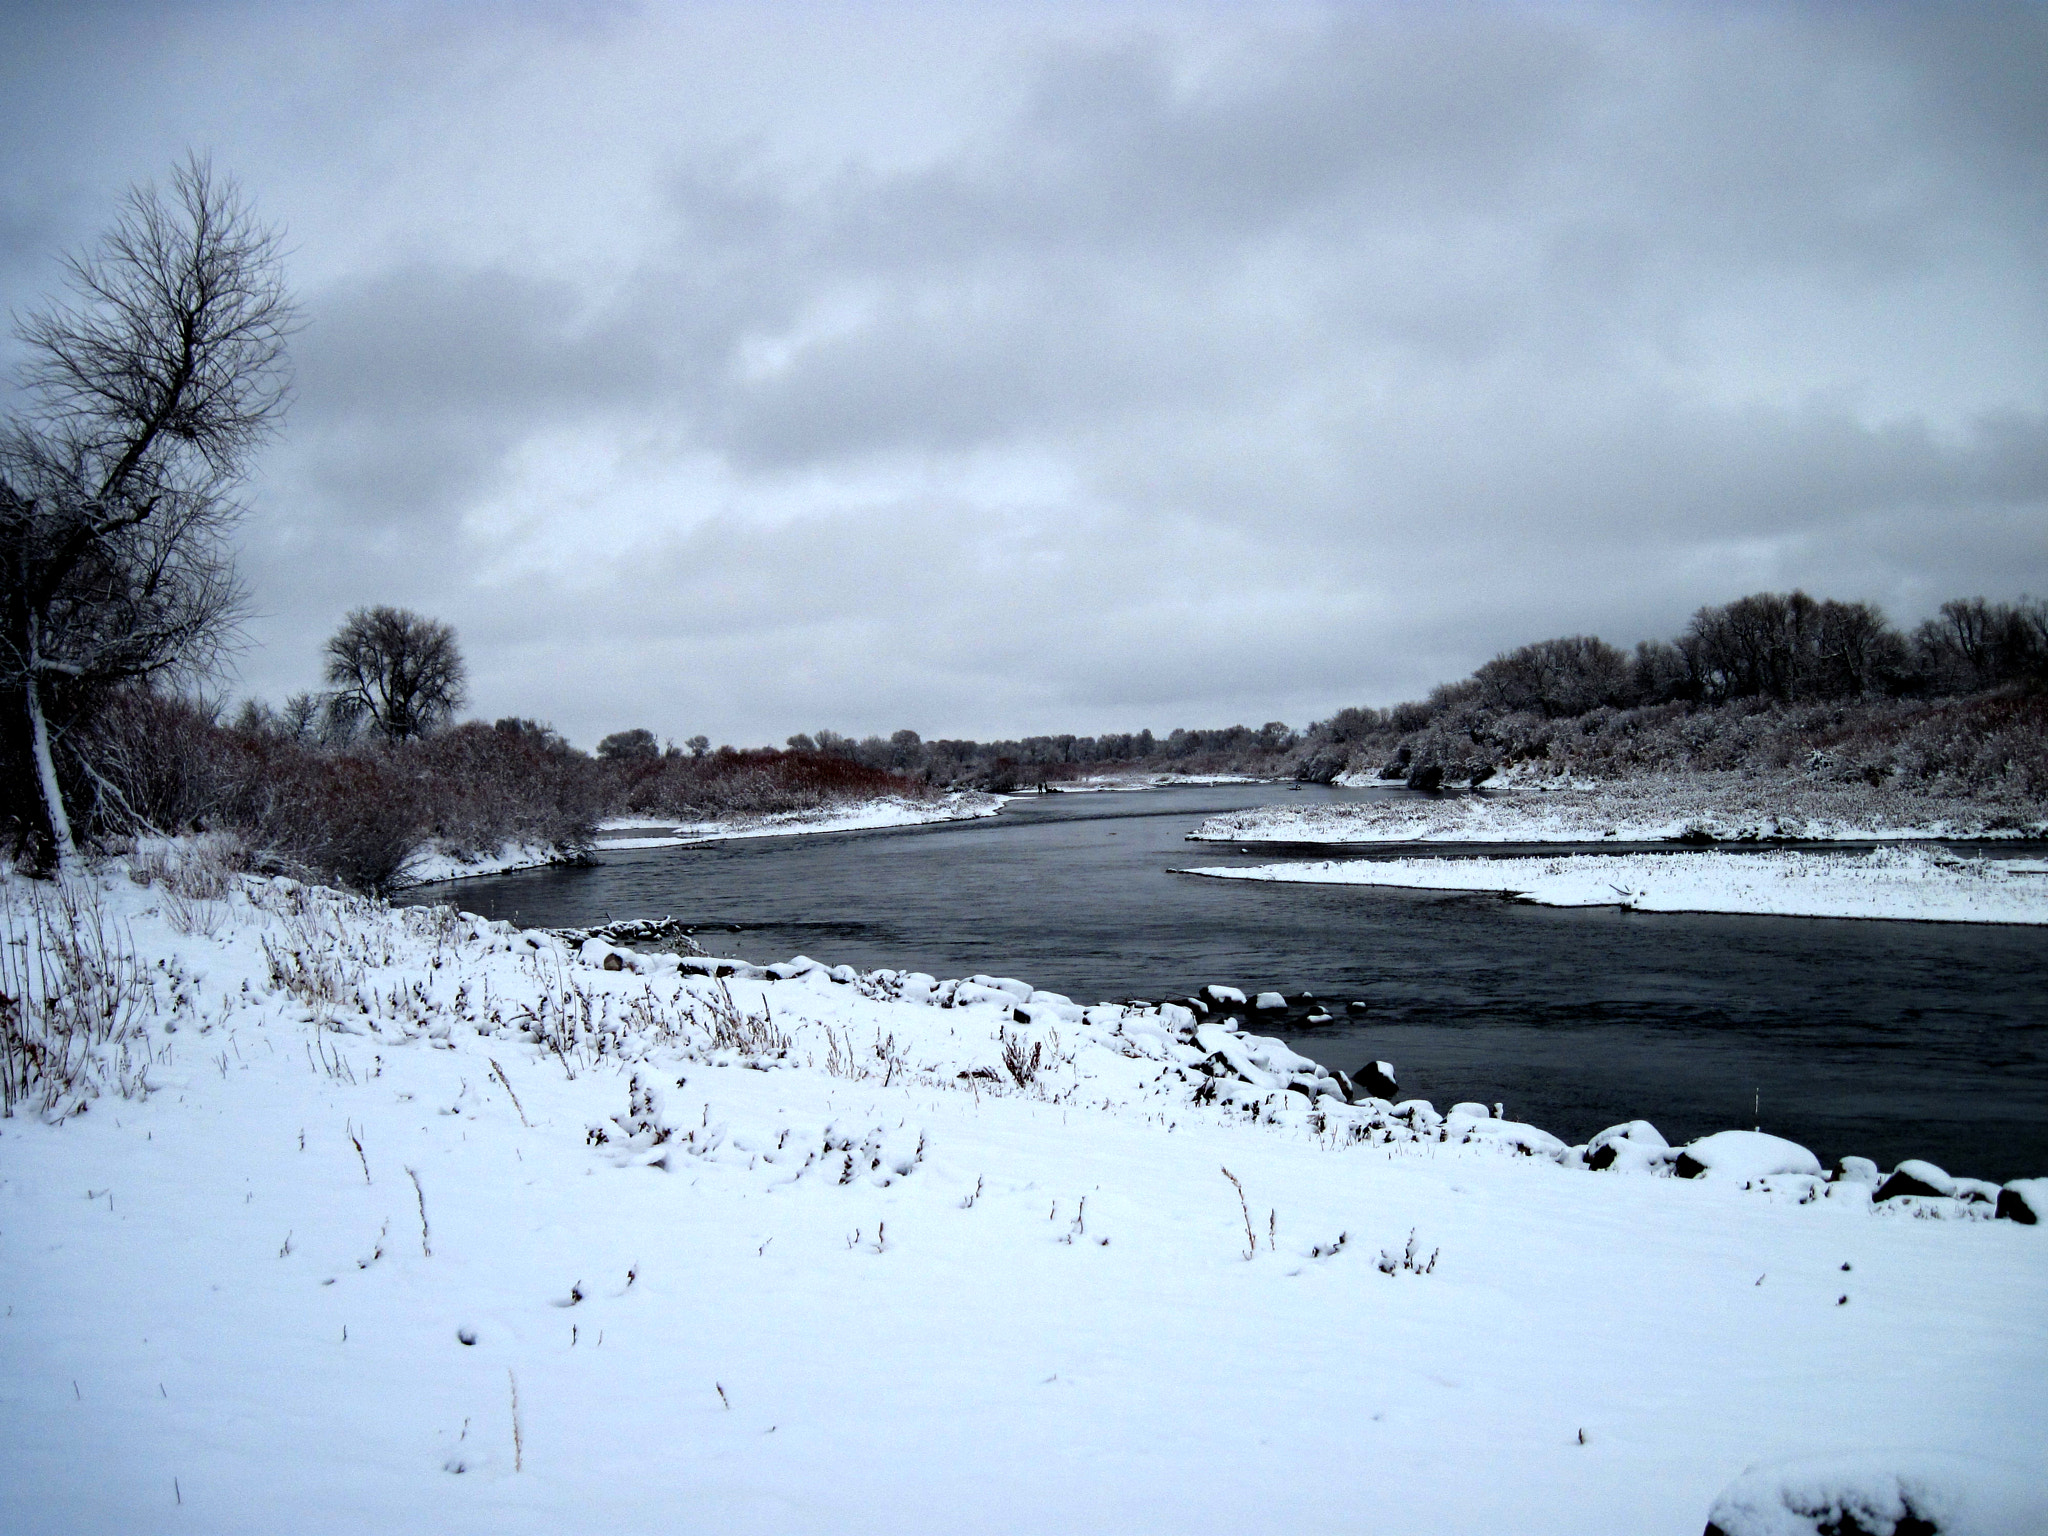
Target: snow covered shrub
(1022, 1063)
(196, 876)
(73, 1001)
(1408, 1261)
(734, 1029)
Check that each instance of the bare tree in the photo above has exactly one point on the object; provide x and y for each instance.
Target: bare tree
(146, 390)
(400, 672)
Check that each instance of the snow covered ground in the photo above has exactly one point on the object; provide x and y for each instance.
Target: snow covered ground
(428, 1224)
(1721, 807)
(1887, 882)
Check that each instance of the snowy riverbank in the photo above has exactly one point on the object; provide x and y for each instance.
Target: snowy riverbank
(1700, 807)
(1900, 883)
(858, 816)
(432, 865)
(429, 1224)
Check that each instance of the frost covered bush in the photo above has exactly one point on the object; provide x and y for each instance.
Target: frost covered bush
(352, 813)
(511, 782)
(155, 764)
(353, 817)
(759, 782)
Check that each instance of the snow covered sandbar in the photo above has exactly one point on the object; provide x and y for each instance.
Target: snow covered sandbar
(1905, 883)
(1656, 808)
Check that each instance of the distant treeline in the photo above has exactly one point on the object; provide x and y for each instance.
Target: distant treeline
(1767, 683)
(1753, 680)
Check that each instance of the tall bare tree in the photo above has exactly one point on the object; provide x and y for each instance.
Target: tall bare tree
(398, 671)
(147, 386)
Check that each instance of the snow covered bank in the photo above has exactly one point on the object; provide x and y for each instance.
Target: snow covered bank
(1887, 882)
(859, 816)
(1700, 807)
(428, 1224)
(1104, 783)
(432, 864)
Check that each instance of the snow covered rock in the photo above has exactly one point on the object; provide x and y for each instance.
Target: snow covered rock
(1224, 995)
(606, 957)
(1019, 991)
(1915, 1177)
(1635, 1146)
(1376, 1078)
(1869, 1494)
(1858, 1170)
(1476, 1124)
(1744, 1155)
(1042, 1010)
(1420, 1114)
(1270, 1002)
(2024, 1201)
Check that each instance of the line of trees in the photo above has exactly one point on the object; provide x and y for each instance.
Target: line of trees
(1766, 649)
(1753, 683)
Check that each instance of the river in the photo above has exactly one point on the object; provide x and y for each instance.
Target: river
(1888, 1040)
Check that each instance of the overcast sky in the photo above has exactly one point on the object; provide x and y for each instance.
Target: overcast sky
(996, 369)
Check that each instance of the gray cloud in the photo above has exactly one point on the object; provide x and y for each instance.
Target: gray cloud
(1013, 370)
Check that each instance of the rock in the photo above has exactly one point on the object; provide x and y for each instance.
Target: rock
(1914, 1177)
(1269, 1002)
(1355, 1006)
(1020, 990)
(1512, 1135)
(595, 952)
(1318, 1017)
(2024, 1201)
(1890, 1493)
(1857, 1170)
(1744, 1155)
(1222, 995)
(1635, 1146)
(1376, 1080)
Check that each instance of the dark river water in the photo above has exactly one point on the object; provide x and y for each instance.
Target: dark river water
(1883, 1039)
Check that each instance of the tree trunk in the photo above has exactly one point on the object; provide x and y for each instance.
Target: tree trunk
(46, 768)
